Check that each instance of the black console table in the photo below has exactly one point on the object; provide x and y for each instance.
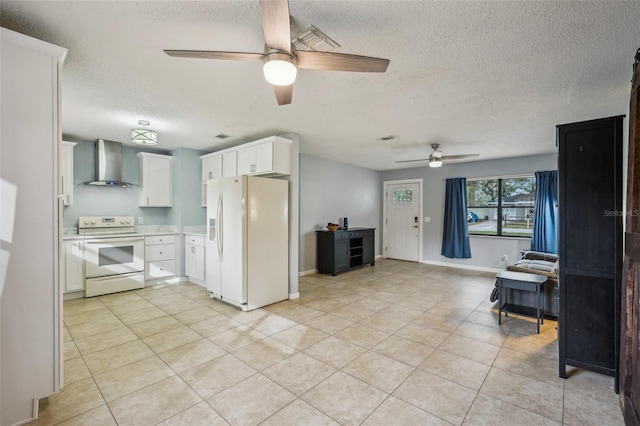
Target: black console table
(341, 250)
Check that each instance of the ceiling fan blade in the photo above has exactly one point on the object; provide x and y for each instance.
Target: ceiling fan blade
(276, 25)
(340, 62)
(411, 161)
(206, 54)
(457, 157)
(283, 94)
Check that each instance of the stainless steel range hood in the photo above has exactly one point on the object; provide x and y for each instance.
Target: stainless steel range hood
(109, 165)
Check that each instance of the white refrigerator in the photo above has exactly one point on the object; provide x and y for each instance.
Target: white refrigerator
(248, 241)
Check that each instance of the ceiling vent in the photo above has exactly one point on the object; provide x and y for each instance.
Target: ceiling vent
(387, 138)
(314, 39)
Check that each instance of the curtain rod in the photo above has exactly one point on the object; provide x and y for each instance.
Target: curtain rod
(532, 174)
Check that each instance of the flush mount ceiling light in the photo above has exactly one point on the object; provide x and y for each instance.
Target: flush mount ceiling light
(279, 69)
(144, 136)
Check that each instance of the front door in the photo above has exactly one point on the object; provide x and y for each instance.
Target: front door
(403, 221)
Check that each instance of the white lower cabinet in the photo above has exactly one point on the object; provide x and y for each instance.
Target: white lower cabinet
(159, 257)
(194, 258)
(73, 266)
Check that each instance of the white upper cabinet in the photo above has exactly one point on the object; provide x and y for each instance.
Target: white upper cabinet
(66, 172)
(268, 156)
(229, 164)
(155, 180)
(211, 166)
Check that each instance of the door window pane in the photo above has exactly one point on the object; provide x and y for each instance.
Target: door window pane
(402, 196)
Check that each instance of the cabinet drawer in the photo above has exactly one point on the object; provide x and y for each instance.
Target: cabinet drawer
(160, 252)
(341, 235)
(159, 239)
(194, 240)
(161, 269)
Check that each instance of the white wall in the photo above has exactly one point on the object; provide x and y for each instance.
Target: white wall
(330, 190)
(486, 252)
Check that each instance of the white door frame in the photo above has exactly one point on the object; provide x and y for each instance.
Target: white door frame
(385, 186)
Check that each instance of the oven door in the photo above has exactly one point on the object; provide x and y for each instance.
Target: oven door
(113, 256)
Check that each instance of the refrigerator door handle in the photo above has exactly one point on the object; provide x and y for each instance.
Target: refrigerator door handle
(219, 228)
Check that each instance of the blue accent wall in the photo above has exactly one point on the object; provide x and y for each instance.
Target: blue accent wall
(96, 200)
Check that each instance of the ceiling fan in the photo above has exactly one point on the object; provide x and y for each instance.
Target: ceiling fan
(436, 157)
(281, 60)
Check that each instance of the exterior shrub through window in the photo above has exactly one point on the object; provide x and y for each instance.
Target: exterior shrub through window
(503, 206)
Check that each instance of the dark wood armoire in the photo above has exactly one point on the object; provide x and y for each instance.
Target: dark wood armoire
(630, 297)
(590, 244)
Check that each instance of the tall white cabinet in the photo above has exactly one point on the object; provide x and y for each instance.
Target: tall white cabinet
(31, 303)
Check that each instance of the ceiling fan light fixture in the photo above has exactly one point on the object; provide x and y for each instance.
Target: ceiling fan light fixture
(435, 162)
(279, 69)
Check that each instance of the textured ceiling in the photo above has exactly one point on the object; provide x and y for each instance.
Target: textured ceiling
(492, 78)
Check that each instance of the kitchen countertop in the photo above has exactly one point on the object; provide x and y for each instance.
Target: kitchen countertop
(157, 229)
(195, 230)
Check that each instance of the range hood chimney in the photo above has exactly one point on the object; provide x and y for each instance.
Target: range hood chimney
(109, 165)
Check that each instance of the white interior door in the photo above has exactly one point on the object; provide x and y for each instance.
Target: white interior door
(403, 221)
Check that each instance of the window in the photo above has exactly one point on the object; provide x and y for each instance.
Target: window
(503, 206)
(402, 196)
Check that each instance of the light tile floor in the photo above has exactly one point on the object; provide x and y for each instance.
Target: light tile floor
(395, 344)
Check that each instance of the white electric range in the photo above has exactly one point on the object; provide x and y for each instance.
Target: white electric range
(114, 254)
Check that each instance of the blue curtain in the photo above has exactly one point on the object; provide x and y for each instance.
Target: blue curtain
(455, 237)
(545, 225)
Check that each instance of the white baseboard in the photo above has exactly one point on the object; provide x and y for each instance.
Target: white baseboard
(461, 266)
(74, 295)
(295, 295)
(309, 272)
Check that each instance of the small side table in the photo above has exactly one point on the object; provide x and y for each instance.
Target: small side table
(520, 281)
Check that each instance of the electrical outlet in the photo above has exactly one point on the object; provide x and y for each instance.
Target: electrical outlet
(140, 220)
(505, 257)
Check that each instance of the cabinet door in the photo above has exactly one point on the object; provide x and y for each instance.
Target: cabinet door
(264, 158)
(229, 164)
(256, 160)
(66, 171)
(212, 167)
(157, 181)
(194, 262)
(73, 263)
(341, 255)
(246, 161)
